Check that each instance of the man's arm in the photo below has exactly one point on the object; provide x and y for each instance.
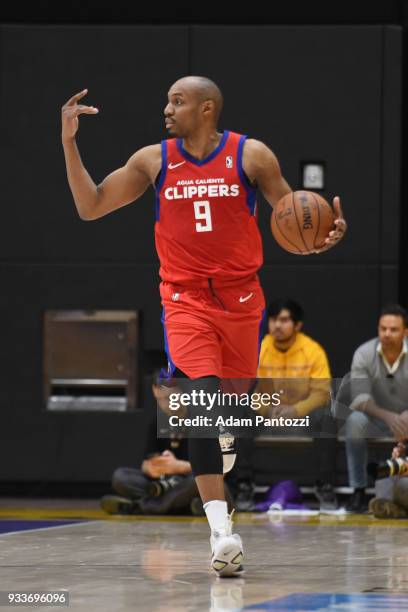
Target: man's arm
(395, 422)
(119, 188)
(361, 388)
(360, 377)
(320, 383)
(168, 464)
(362, 398)
(263, 170)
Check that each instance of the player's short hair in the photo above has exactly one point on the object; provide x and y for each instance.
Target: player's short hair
(295, 309)
(397, 311)
(208, 90)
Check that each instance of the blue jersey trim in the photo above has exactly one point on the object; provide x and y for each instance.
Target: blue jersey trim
(201, 162)
(251, 191)
(162, 178)
(171, 365)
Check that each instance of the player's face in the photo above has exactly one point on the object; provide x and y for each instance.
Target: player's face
(391, 331)
(182, 113)
(282, 327)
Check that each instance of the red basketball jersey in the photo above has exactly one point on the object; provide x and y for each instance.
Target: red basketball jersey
(206, 225)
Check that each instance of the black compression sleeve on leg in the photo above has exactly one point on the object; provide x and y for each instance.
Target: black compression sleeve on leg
(204, 453)
(205, 456)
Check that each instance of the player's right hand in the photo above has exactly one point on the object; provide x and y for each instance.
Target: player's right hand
(70, 113)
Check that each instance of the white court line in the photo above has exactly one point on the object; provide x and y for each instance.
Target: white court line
(8, 533)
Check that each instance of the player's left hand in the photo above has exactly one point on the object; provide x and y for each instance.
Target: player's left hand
(340, 227)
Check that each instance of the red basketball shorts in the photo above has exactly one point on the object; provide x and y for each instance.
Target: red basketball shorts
(213, 330)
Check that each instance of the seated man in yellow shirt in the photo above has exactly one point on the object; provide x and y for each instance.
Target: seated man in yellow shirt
(296, 364)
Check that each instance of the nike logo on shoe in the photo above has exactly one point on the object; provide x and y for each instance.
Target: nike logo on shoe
(244, 299)
(172, 166)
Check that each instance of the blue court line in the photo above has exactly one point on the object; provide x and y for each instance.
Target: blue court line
(17, 525)
(334, 602)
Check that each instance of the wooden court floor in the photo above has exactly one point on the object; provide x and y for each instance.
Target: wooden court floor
(150, 564)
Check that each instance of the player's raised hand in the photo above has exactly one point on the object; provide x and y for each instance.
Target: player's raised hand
(340, 227)
(70, 113)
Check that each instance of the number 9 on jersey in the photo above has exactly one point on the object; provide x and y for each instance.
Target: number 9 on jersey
(202, 212)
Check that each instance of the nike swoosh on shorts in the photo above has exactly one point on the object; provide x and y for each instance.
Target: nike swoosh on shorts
(244, 299)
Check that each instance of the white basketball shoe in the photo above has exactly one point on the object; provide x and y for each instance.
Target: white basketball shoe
(227, 551)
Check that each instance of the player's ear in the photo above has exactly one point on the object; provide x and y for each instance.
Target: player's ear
(208, 107)
(299, 325)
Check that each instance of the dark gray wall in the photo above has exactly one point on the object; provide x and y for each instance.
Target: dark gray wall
(327, 92)
(291, 11)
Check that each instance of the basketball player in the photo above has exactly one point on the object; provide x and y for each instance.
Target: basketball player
(209, 248)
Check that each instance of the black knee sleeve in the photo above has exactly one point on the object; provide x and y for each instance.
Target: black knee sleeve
(204, 453)
(205, 456)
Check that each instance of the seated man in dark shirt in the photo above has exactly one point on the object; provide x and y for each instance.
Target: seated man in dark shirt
(164, 482)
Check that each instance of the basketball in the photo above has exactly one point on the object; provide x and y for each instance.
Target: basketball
(301, 221)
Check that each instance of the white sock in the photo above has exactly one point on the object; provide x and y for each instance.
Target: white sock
(217, 512)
